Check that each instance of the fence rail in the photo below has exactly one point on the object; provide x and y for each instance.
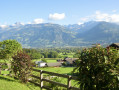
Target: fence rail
(5, 70)
(1, 69)
(69, 78)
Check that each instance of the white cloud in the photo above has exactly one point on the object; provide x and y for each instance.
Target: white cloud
(114, 18)
(102, 16)
(57, 16)
(98, 16)
(3, 26)
(79, 23)
(38, 21)
(107, 17)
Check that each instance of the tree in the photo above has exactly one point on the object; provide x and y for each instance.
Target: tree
(53, 54)
(98, 68)
(21, 65)
(9, 48)
(35, 55)
(45, 54)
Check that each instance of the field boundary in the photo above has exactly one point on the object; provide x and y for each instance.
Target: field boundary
(68, 85)
(7, 69)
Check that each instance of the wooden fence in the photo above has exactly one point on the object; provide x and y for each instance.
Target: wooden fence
(9, 70)
(1, 69)
(69, 78)
(68, 85)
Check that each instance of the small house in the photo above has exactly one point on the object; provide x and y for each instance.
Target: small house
(114, 45)
(40, 63)
(70, 61)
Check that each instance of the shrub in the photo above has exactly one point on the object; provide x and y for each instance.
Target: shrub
(98, 68)
(21, 66)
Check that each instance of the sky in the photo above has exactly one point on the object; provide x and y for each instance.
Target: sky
(62, 12)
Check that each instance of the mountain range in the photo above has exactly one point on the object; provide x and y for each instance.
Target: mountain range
(55, 35)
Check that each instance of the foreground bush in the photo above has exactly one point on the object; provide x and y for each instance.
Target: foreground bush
(21, 66)
(98, 68)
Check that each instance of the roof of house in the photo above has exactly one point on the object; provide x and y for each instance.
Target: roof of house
(114, 45)
(54, 64)
(70, 60)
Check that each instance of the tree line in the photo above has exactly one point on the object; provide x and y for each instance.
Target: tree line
(50, 52)
(36, 54)
(8, 48)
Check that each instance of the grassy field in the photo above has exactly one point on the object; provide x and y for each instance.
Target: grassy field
(49, 60)
(70, 55)
(61, 70)
(7, 83)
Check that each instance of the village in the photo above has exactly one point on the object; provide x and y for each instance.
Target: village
(67, 62)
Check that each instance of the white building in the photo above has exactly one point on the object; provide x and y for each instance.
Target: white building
(41, 63)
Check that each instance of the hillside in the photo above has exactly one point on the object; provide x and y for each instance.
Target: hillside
(103, 33)
(39, 35)
(8, 83)
(54, 35)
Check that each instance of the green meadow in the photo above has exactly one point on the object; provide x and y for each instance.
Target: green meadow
(49, 60)
(61, 70)
(63, 55)
(8, 83)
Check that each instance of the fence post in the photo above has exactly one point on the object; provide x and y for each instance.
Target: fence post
(41, 77)
(69, 83)
(0, 67)
(0, 70)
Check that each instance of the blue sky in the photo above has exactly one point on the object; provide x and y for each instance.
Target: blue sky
(58, 11)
